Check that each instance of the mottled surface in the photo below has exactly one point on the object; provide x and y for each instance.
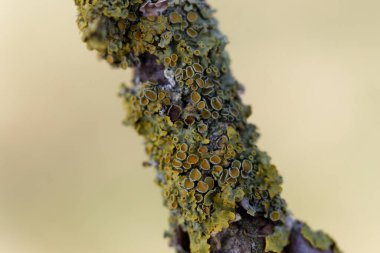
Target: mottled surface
(187, 105)
(298, 244)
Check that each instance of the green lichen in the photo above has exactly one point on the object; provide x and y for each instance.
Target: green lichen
(194, 122)
(318, 239)
(277, 241)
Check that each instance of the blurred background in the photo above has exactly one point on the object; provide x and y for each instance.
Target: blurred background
(71, 179)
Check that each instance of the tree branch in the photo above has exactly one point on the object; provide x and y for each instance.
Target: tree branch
(222, 191)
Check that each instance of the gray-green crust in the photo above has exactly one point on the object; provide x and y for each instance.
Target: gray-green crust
(186, 104)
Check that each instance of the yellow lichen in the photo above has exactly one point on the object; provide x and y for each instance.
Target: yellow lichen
(277, 241)
(195, 175)
(202, 187)
(317, 239)
(188, 110)
(175, 17)
(192, 16)
(205, 164)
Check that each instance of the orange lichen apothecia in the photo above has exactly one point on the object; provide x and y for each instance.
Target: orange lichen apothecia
(189, 111)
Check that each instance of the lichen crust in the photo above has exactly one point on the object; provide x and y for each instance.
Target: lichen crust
(189, 111)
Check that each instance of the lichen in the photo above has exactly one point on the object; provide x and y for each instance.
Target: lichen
(318, 239)
(277, 241)
(189, 112)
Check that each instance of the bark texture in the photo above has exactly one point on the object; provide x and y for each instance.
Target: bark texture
(223, 193)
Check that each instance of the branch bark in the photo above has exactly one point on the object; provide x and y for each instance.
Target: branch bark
(222, 191)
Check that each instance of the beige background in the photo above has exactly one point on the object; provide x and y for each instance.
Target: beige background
(71, 179)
